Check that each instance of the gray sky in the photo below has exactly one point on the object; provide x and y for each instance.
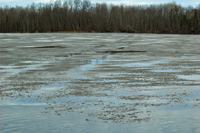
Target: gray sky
(184, 3)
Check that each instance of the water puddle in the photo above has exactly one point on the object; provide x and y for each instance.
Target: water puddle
(76, 99)
(8, 67)
(21, 68)
(190, 66)
(77, 76)
(117, 75)
(137, 65)
(85, 67)
(189, 77)
(136, 83)
(7, 39)
(166, 71)
(24, 101)
(10, 70)
(52, 87)
(108, 81)
(125, 74)
(161, 62)
(32, 66)
(43, 40)
(90, 64)
(93, 61)
(144, 64)
(36, 62)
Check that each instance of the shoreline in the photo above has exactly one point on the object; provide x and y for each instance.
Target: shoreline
(150, 32)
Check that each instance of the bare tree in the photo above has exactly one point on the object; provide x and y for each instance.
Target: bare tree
(78, 15)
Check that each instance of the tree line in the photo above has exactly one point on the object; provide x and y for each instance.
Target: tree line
(84, 16)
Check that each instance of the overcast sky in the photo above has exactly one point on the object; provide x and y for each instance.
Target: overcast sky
(184, 3)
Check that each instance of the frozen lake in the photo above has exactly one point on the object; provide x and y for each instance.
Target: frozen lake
(99, 82)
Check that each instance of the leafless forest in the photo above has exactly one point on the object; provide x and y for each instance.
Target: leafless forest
(84, 16)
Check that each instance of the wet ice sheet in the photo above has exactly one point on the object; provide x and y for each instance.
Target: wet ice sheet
(85, 85)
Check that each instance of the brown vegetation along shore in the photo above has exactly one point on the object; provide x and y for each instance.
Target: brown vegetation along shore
(155, 32)
(83, 16)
